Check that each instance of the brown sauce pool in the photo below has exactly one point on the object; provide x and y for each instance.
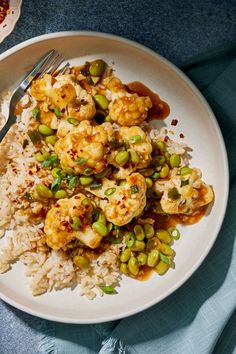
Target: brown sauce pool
(160, 109)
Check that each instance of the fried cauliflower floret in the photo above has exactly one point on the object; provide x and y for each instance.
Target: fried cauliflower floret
(184, 194)
(59, 223)
(44, 89)
(138, 141)
(84, 149)
(83, 107)
(126, 202)
(127, 109)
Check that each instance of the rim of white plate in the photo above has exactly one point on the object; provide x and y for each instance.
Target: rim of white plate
(225, 168)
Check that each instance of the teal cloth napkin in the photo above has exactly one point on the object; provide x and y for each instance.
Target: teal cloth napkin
(199, 317)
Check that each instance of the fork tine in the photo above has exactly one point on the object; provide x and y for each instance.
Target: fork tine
(30, 77)
(56, 65)
(48, 65)
(63, 69)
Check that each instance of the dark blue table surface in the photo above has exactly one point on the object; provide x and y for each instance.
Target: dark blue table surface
(176, 29)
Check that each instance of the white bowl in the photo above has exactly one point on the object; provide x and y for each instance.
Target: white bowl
(8, 25)
(198, 124)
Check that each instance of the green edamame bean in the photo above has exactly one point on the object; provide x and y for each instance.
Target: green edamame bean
(39, 157)
(149, 230)
(133, 266)
(185, 171)
(125, 255)
(164, 236)
(60, 194)
(100, 228)
(166, 249)
(86, 180)
(134, 157)
(101, 101)
(161, 145)
(108, 119)
(97, 67)
(122, 157)
(152, 258)
(142, 258)
(43, 191)
(174, 160)
(102, 219)
(81, 262)
(164, 171)
(76, 223)
(51, 139)
(138, 246)
(161, 267)
(45, 130)
(149, 182)
(139, 232)
(123, 268)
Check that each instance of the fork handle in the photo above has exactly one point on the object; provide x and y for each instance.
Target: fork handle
(5, 129)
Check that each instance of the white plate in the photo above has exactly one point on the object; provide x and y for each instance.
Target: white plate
(202, 134)
(7, 26)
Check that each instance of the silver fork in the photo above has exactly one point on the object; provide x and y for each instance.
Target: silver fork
(48, 64)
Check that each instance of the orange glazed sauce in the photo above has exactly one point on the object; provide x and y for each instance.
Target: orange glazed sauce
(160, 109)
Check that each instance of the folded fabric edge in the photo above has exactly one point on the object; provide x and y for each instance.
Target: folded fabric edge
(112, 345)
(47, 343)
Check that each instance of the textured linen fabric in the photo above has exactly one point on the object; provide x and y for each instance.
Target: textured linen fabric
(199, 317)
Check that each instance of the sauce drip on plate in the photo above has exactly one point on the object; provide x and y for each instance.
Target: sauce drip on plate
(160, 109)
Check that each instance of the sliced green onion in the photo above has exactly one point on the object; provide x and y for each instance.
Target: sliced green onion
(184, 183)
(34, 136)
(135, 139)
(88, 171)
(109, 191)
(165, 259)
(35, 113)
(103, 173)
(72, 182)
(57, 111)
(95, 186)
(173, 193)
(55, 183)
(155, 176)
(73, 121)
(129, 239)
(81, 160)
(134, 189)
(175, 234)
(108, 289)
(50, 160)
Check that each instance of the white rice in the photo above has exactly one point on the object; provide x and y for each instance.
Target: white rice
(25, 241)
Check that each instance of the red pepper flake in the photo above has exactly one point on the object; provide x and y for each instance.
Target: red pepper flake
(30, 172)
(174, 122)
(166, 139)
(181, 135)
